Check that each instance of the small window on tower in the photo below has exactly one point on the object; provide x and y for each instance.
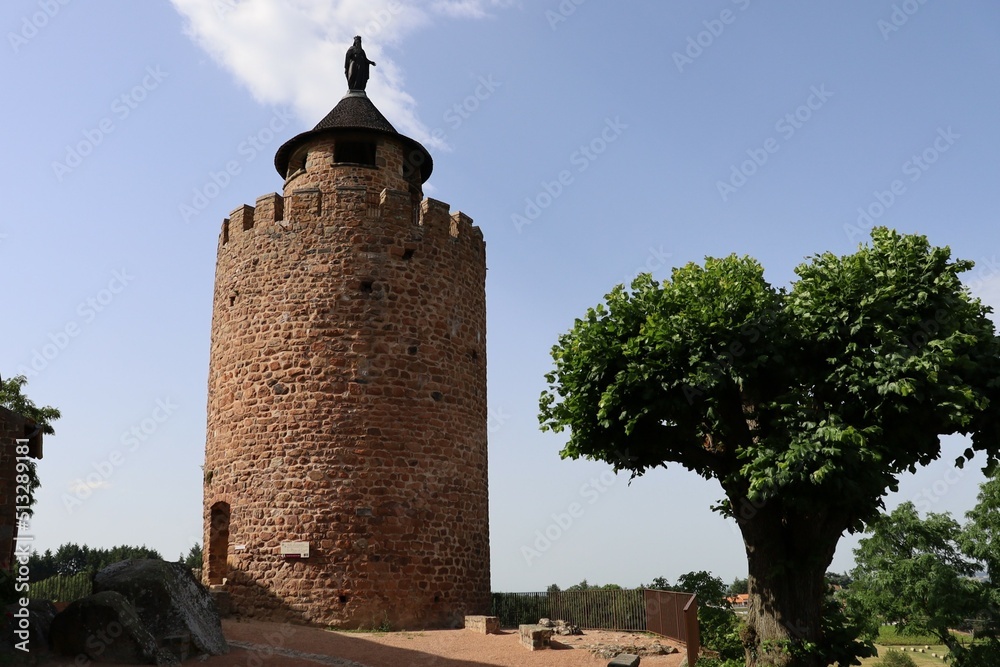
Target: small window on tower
(355, 152)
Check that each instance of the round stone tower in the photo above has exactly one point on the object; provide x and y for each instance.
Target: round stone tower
(345, 462)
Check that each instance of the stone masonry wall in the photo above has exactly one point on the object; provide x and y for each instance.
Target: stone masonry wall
(347, 401)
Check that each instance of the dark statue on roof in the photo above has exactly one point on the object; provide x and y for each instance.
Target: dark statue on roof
(356, 66)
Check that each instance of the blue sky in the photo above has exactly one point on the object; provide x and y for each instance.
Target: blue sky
(589, 140)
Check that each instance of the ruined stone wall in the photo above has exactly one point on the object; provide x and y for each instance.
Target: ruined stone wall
(347, 402)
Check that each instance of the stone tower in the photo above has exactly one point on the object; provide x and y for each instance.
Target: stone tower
(345, 462)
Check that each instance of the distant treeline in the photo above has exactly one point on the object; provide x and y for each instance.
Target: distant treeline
(70, 559)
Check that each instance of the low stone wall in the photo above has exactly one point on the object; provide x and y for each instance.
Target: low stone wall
(484, 625)
(534, 637)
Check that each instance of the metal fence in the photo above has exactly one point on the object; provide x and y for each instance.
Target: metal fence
(592, 609)
(674, 615)
(667, 613)
(62, 588)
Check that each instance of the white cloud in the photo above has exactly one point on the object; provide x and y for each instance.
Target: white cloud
(79, 486)
(291, 52)
(475, 9)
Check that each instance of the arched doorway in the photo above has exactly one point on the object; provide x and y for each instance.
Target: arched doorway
(218, 543)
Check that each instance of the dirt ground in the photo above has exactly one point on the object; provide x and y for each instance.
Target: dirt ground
(429, 648)
(261, 644)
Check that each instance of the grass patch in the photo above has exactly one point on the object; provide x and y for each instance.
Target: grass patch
(921, 659)
(889, 636)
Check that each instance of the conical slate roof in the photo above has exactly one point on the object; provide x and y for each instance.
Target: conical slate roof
(354, 112)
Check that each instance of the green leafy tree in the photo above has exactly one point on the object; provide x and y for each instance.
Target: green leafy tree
(710, 590)
(837, 579)
(739, 586)
(981, 541)
(914, 573)
(719, 626)
(804, 404)
(660, 583)
(12, 397)
(194, 556)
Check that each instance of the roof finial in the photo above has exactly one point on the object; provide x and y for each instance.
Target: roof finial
(356, 66)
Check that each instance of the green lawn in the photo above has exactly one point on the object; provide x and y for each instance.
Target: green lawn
(889, 639)
(922, 659)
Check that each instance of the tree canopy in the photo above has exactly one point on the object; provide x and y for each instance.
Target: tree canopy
(805, 403)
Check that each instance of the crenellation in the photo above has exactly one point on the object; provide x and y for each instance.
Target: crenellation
(435, 218)
(269, 209)
(242, 217)
(460, 222)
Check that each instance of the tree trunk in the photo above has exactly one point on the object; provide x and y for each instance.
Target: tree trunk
(788, 556)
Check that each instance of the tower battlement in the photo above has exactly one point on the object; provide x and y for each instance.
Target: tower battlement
(430, 219)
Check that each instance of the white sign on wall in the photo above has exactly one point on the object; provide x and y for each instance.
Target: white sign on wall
(295, 549)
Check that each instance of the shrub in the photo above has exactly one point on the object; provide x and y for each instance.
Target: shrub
(718, 662)
(894, 658)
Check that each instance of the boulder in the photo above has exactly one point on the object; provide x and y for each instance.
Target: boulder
(26, 627)
(170, 602)
(566, 628)
(104, 627)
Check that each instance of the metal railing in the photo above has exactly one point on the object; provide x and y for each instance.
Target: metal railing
(674, 615)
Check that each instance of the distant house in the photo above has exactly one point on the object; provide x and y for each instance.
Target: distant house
(20, 438)
(739, 601)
